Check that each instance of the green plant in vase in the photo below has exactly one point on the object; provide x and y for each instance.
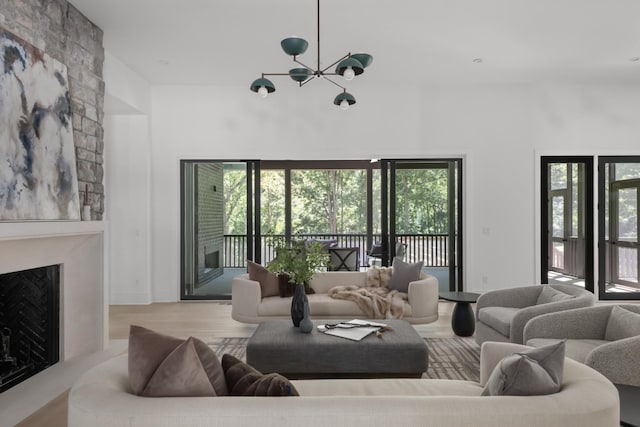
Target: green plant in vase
(299, 262)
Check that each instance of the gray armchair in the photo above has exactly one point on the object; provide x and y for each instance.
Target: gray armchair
(608, 343)
(502, 314)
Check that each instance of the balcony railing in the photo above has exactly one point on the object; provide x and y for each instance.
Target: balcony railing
(433, 249)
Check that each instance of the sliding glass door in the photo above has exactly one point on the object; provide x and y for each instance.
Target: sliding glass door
(234, 211)
(218, 207)
(318, 200)
(619, 254)
(567, 220)
(421, 214)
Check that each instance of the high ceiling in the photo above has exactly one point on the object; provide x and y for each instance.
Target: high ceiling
(230, 42)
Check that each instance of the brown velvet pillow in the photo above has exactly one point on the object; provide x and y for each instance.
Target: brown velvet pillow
(161, 365)
(269, 285)
(287, 289)
(244, 380)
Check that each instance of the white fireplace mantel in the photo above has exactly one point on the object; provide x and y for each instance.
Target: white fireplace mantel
(79, 246)
(33, 229)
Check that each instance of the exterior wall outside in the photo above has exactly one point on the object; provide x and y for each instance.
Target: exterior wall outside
(210, 219)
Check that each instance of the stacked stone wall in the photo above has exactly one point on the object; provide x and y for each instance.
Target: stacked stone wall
(60, 30)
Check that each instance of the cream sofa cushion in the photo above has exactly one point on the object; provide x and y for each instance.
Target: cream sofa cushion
(102, 398)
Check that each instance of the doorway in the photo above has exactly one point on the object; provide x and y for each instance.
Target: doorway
(234, 211)
(421, 216)
(218, 207)
(567, 220)
(619, 185)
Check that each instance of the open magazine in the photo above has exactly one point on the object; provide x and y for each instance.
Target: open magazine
(354, 330)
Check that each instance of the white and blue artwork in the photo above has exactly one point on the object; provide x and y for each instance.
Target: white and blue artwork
(38, 178)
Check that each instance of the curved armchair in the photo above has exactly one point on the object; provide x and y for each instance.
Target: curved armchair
(502, 314)
(596, 336)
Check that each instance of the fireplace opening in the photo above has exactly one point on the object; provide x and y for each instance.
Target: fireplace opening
(29, 323)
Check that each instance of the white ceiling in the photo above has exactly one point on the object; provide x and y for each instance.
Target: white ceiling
(230, 42)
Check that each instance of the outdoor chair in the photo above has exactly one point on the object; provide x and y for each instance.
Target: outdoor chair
(604, 337)
(401, 250)
(374, 255)
(344, 259)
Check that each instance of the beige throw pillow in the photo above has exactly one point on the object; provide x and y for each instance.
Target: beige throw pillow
(161, 365)
(268, 281)
(378, 277)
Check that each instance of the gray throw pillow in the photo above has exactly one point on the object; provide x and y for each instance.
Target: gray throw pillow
(403, 274)
(268, 281)
(622, 324)
(528, 373)
(548, 294)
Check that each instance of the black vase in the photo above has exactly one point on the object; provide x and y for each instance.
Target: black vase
(297, 305)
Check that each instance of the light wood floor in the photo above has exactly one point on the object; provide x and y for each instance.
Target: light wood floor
(205, 320)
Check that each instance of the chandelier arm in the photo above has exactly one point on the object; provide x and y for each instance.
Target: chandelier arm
(305, 66)
(306, 81)
(275, 74)
(340, 86)
(330, 66)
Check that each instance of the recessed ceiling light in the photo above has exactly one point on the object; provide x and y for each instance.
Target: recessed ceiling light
(477, 60)
(163, 61)
(635, 59)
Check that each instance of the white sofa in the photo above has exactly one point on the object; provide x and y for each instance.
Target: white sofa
(102, 398)
(248, 306)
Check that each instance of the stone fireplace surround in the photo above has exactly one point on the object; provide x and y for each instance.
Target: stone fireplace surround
(79, 247)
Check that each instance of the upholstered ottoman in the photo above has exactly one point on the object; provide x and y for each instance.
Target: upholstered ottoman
(277, 346)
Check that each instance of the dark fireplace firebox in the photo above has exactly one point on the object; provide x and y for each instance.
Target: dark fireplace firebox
(29, 323)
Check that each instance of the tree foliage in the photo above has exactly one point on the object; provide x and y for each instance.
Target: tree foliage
(335, 201)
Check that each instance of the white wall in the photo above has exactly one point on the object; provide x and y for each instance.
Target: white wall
(126, 92)
(497, 129)
(127, 153)
(127, 182)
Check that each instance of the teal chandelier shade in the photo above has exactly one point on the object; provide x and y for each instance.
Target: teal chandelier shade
(299, 74)
(344, 100)
(262, 86)
(294, 46)
(363, 58)
(349, 66)
(352, 63)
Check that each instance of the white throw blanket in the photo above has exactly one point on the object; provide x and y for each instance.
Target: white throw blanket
(376, 302)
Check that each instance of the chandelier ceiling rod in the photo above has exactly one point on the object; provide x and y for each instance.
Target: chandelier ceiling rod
(318, 34)
(349, 66)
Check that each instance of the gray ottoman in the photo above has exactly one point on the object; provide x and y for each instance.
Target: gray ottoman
(277, 346)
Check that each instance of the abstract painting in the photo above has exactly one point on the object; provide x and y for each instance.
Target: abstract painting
(38, 177)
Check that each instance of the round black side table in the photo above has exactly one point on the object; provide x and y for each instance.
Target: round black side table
(463, 322)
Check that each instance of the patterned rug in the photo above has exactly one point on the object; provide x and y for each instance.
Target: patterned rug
(449, 358)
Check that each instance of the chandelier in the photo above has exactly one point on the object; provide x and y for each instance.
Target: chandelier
(348, 67)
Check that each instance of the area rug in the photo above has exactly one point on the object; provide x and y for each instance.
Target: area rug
(449, 358)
